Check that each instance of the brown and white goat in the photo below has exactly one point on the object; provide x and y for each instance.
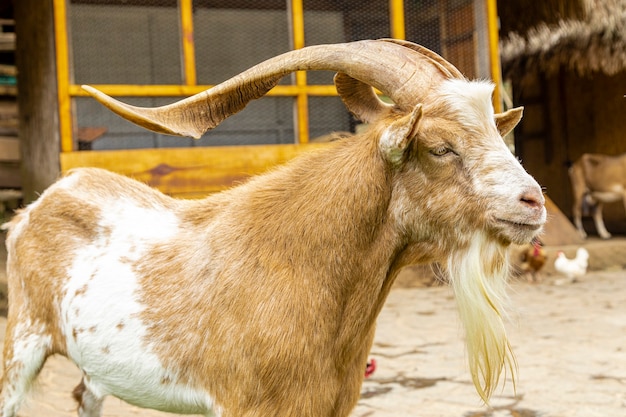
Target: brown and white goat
(262, 300)
(596, 180)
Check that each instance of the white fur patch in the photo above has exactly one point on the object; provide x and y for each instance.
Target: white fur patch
(100, 314)
(471, 100)
(69, 182)
(30, 343)
(500, 174)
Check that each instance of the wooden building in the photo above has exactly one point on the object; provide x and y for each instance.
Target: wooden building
(153, 52)
(566, 61)
(10, 177)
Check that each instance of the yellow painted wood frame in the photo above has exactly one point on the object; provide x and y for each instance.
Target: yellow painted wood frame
(396, 17)
(63, 76)
(189, 51)
(494, 53)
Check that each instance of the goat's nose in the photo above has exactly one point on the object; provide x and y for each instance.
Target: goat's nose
(533, 197)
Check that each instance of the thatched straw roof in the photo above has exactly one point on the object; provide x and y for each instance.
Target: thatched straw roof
(595, 43)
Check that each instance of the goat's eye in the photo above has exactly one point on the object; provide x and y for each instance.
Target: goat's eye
(440, 151)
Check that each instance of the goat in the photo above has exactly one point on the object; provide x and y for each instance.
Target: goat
(262, 300)
(597, 179)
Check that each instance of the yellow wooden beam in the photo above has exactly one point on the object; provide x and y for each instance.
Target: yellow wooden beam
(302, 99)
(297, 16)
(128, 90)
(396, 17)
(63, 76)
(302, 109)
(189, 50)
(494, 53)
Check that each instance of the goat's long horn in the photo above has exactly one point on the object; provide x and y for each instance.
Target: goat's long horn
(363, 102)
(360, 98)
(402, 70)
(444, 66)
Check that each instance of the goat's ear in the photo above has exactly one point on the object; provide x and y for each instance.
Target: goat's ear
(508, 120)
(397, 136)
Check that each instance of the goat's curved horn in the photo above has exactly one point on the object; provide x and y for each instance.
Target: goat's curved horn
(444, 66)
(404, 71)
(363, 102)
(360, 98)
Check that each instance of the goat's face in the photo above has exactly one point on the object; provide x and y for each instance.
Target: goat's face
(460, 195)
(455, 168)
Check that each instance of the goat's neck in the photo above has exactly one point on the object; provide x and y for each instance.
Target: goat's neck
(328, 215)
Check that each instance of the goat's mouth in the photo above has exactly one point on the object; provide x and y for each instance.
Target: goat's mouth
(516, 231)
(520, 225)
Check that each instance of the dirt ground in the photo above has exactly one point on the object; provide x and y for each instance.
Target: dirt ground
(569, 340)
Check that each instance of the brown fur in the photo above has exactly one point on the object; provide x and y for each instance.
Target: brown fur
(334, 274)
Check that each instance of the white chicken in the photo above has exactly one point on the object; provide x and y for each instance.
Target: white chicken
(571, 268)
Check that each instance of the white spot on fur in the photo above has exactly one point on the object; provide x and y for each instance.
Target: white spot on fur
(471, 100)
(30, 345)
(29, 340)
(107, 286)
(500, 174)
(69, 182)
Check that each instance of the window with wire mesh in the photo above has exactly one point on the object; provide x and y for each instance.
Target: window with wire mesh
(138, 42)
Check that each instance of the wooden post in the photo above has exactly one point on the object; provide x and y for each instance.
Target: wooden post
(37, 96)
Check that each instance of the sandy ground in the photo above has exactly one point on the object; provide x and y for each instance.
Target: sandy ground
(570, 343)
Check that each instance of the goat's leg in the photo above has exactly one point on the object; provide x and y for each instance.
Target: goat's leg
(89, 404)
(577, 215)
(599, 221)
(25, 351)
(624, 200)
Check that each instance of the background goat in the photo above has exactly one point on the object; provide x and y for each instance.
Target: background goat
(262, 300)
(597, 179)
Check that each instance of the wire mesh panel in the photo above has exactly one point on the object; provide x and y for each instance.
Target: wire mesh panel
(139, 42)
(232, 36)
(125, 42)
(134, 42)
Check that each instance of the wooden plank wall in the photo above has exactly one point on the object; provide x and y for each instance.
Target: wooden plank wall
(9, 145)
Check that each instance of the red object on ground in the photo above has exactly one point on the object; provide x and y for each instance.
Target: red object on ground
(370, 367)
